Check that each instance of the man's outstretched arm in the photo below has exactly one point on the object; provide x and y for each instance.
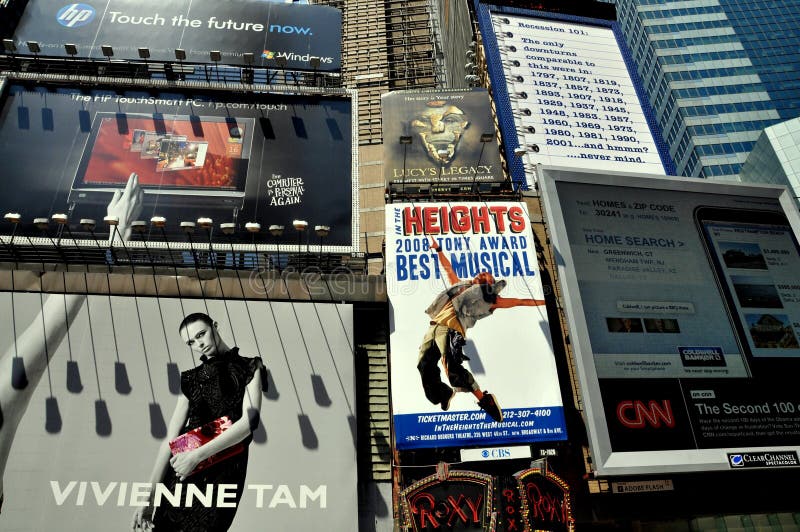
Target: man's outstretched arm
(509, 302)
(452, 278)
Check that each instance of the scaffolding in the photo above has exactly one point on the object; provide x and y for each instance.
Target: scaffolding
(387, 46)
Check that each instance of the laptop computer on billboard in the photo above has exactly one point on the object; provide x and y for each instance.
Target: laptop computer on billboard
(181, 160)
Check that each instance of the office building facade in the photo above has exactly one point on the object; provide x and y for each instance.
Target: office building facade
(717, 72)
(776, 157)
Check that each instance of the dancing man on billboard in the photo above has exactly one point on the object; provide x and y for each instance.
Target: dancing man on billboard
(455, 310)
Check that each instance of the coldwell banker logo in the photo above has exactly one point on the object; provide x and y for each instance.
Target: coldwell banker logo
(699, 356)
(75, 15)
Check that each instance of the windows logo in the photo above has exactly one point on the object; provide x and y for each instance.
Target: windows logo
(267, 54)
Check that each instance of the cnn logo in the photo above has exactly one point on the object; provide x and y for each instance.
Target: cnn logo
(640, 414)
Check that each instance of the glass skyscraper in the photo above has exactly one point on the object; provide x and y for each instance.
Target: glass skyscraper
(717, 72)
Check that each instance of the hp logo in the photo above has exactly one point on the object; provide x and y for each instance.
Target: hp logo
(75, 15)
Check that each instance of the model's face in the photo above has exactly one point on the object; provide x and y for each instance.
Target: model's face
(201, 338)
(440, 129)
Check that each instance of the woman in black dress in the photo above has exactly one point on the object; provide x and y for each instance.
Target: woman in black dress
(225, 384)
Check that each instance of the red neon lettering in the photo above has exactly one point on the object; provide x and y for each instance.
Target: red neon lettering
(510, 495)
(475, 508)
(635, 414)
(425, 513)
(534, 497)
(457, 511)
(545, 506)
(430, 513)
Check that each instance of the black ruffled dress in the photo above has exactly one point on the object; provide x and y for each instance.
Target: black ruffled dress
(215, 388)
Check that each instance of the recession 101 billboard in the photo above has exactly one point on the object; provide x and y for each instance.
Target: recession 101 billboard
(570, 96)
(444, 138)
(105, 401)
(271, 31)
(471, 353)
(683, 300)
(68, 149)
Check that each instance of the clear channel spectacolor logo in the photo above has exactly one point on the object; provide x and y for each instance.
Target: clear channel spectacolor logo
(737, 460)
(75, 15)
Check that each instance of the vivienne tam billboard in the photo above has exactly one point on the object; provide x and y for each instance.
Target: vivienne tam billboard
(102, 397)
(463, 281)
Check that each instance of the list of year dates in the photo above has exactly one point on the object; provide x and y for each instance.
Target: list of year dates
(578, 101)
(582, 112)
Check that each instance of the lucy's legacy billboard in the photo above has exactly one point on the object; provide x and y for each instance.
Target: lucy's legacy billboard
(439, 137)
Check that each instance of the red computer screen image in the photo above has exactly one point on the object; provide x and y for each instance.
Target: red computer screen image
(173, 152)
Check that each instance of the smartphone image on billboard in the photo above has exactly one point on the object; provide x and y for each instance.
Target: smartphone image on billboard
(756, 262)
